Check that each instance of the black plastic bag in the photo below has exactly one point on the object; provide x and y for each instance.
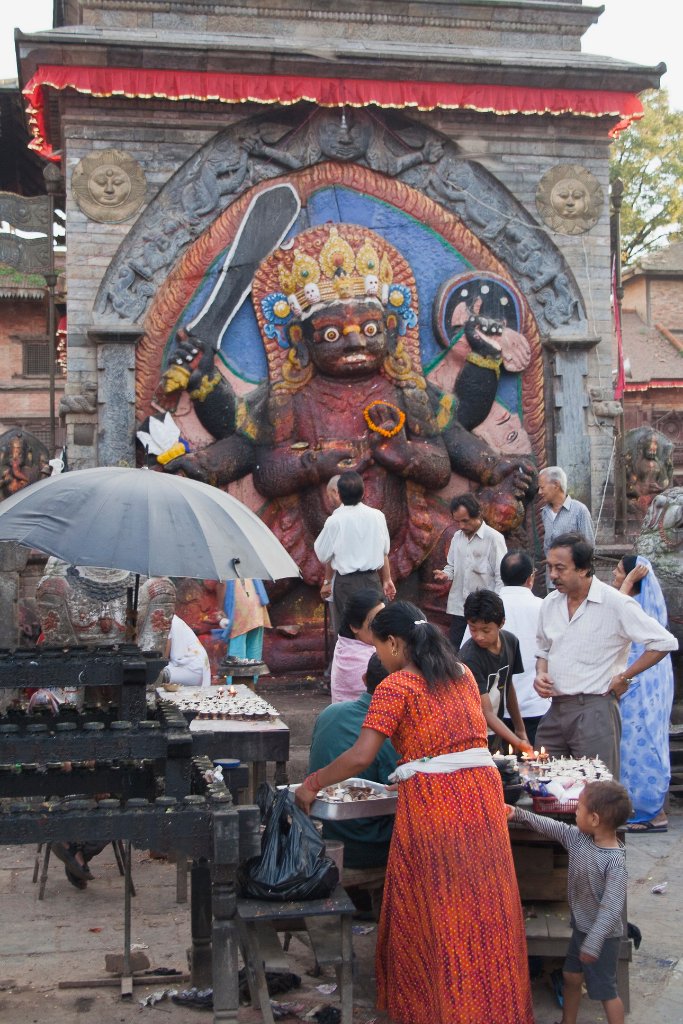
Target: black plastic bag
(292, 864)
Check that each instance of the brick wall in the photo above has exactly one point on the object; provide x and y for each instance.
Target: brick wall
(24, 401)
(666, 302)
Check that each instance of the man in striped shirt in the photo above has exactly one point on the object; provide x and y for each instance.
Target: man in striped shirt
(596, 883)
(560, 513)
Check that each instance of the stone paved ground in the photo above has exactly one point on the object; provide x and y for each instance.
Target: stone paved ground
(66, 936)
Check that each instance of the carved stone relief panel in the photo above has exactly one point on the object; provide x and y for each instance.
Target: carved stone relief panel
(109, 186)
(266, 147)
(569, 199)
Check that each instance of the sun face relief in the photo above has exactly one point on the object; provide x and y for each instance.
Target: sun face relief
(569, 198)
(109, 185)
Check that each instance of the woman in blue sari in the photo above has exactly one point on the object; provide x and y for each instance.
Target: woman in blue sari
(646, 708)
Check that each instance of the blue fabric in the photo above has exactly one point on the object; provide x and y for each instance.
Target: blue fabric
(645, 713)
(247, 645)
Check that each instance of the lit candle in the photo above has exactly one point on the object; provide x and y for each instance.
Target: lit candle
(510, 749)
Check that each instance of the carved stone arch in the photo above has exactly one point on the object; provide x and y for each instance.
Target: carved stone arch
(175, 295)
(262, 148)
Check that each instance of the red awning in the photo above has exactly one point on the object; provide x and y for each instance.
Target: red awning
(134, 83)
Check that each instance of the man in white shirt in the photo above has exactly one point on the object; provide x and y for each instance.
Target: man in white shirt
(560, 513)
(472, 563)
(585, 631)
(522, 609)
(354, 544)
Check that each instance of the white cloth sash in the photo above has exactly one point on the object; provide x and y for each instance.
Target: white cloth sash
(474, 757)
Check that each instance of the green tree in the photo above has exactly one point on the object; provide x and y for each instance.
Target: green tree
(648, 157)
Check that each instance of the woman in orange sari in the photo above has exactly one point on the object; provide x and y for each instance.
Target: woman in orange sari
(451, 947)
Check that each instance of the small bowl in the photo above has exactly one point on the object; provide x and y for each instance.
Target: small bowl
(171, 687)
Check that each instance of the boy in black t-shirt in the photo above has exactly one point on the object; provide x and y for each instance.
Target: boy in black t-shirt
(492, 656)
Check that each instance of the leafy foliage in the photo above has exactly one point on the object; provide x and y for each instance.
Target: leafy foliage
(648, 158)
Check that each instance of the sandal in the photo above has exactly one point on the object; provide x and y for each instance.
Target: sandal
(74, 866)
(644, 828)
(78, 883)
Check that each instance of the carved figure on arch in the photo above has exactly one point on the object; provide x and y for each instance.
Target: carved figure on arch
(346, 390)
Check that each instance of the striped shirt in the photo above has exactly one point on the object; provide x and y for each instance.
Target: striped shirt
(596, 882)
(586, 651)
(572, 517)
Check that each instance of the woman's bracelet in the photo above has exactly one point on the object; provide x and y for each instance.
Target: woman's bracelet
(311, 782)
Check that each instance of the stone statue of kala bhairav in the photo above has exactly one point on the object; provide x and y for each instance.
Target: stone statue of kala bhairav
(337, 311)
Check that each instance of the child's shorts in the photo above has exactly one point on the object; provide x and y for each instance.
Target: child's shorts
(600, 977)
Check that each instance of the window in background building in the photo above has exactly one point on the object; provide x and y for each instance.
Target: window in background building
(36, 359)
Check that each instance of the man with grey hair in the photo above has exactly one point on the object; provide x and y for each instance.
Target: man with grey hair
(560, 513)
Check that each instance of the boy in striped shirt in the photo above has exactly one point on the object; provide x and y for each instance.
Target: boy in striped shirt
(596, 893)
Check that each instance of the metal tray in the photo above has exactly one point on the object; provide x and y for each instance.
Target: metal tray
(358, 808)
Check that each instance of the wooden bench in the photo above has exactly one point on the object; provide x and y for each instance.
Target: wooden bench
(259, 921)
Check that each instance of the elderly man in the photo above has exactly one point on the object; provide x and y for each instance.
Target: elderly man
(560, 513)
(585, 631)
(472, 563)
(354, 544)
(522, 609)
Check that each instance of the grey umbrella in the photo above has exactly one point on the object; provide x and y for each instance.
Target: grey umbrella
(149, 523)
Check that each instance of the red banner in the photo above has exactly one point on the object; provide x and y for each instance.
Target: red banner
(135, 83)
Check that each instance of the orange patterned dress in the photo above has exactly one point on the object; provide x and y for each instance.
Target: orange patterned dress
(451, 947)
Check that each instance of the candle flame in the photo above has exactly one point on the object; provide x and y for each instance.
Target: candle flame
(510, 749)
(543, 750)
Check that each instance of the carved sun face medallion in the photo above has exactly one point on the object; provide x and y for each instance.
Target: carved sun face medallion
(569, 199)
(109, 186)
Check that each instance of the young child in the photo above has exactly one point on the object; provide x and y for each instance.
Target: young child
(492, 656)
(597, 893)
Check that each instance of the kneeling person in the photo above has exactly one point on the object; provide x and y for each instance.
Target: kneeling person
(366, 840)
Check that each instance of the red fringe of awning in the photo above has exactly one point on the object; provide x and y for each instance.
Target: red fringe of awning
(202, 86)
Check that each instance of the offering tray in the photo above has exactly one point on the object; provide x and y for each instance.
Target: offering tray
(235, 703)
(381, 804)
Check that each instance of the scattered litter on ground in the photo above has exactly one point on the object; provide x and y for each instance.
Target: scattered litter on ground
(286, 1009)
(660, 888)
(362, 929)
(328, 1015)
(326, 990)
(200, 998)
(158, 997)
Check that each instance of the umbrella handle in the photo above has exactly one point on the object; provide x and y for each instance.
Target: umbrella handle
(132, 611)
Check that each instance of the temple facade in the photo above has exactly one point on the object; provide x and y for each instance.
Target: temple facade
(232, 171)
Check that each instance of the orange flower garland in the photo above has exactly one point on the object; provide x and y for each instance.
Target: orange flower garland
(381, 430)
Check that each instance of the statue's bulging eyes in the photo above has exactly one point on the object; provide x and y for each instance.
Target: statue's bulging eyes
(371, 329)
(331, 334)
